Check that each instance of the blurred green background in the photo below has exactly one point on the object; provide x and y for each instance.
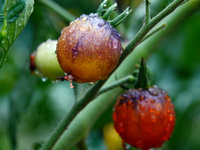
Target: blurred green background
(30, 107)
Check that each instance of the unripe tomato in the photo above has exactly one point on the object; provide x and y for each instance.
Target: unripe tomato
(89, 49)
(45, 61)
(144, 118)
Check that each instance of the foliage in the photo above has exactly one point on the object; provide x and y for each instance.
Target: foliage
(30, 108)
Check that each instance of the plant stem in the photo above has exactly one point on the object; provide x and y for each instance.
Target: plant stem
(81, 103)
(147, 17)
(117, 83)
(160, 27)
(116, 21)
(147, 27)
(60, 11)
(101, 7)
(109, 11)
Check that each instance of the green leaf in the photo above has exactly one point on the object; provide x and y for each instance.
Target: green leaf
(13, 20)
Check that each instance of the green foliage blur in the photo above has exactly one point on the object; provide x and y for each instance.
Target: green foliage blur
(30, 107)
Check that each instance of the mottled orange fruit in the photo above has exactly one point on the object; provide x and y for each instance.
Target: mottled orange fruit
(89, 48)
(144, 118)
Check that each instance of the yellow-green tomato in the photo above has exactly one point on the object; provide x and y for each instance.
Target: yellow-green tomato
(89, 49)
(46, 62)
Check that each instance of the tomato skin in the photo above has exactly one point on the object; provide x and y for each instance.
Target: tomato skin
(144, 118)
(89, 49)
(44, 60)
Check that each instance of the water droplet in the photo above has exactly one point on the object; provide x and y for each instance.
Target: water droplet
(142, 107)
(167, 98)
(20, 24)
(54, 81)
(165, 113)
(171, 117)
(115, 43)
(101, 24)
(92, 15)
(142, 97)
(92, 83)
(153, 118)
(168, 109)
(84, 18)
(151, 109)
(142, 115)
(84, 28)
(138, 142)
(121, 128)
(71, 30)
(152, 100)
(75, 53)
(153, 92)
(44, 79)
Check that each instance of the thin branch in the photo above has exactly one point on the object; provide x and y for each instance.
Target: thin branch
(160, 27)
(127, 79)
(147, 12)
(101, 7)
(146, 28)
(109, 11)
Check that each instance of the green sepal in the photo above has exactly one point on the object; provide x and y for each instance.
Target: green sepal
(142, 79)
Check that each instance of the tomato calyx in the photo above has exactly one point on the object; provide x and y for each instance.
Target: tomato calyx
(32, 66)
(68, 77)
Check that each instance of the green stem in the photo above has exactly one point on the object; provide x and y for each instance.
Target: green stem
(67, 16)
(101, 7)
(147, 17)
(117, 83)
(81, 103)
(146, 28)
(160, 27)
(115, 22)
(109, 11)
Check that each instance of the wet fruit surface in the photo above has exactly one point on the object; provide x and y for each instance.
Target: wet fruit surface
(45, 62)
(144, 118)
(89, 49)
